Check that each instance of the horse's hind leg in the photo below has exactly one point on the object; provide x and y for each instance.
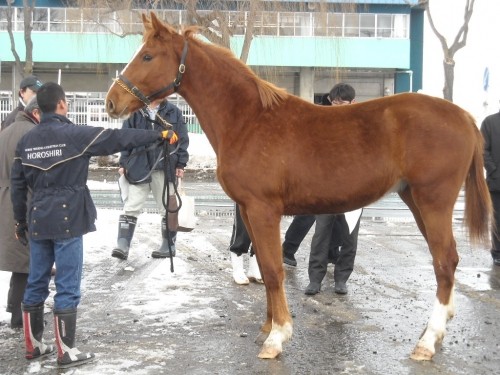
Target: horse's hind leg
(264, 228)
(407, 198)
(436, 215)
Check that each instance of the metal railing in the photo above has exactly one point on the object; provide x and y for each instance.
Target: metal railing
(88, 108)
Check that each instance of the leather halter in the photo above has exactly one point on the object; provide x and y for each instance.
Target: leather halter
(133, 90)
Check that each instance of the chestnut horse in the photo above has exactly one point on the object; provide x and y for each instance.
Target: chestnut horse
(280, 155)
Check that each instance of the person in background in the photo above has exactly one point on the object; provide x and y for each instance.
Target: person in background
(136, 169)
(239, 245)
(14, 257)
(52, 161)
(490, 128)
(27, 89)
(294, 235)
(344, 227)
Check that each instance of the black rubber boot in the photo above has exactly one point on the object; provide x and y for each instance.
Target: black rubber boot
(64, 328)
(126, 227)
(163, 251)
(15, 298)
(33, 325)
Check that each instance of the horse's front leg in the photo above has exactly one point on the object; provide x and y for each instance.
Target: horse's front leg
(445, 260)
(264, 228)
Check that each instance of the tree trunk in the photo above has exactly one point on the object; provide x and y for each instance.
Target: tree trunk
(449, 78)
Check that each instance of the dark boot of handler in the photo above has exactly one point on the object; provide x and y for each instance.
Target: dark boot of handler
(163, 251)
(64, 328)
(126, 227)
(33, 325)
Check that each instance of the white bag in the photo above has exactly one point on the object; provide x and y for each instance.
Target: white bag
(123, 184)
(186, 215)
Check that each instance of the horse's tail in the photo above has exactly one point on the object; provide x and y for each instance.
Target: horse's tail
(478, 206)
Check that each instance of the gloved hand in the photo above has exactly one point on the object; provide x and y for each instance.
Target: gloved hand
(22, 232)
(170, 135)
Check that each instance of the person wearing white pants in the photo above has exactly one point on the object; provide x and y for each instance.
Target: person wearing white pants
(240, 244)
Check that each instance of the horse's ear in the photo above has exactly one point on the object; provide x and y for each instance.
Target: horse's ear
(146, 22)
(156, 23)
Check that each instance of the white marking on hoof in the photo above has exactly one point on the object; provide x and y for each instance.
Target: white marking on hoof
(435, 330)
(272, 347)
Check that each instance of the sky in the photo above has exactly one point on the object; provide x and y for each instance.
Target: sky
(481, 51)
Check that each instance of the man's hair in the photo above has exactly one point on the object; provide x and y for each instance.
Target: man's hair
(32, 105)
(342, 91)
(49, 95)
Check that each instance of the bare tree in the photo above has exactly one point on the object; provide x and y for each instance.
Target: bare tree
(28, 9)
(449, 51)
(216, 24)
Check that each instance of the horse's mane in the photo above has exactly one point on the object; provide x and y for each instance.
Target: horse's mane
(269, 93)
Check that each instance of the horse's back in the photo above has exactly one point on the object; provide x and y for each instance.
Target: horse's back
(335, 159)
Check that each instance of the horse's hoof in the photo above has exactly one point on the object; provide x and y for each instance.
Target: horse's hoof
(269, 353)
(421, 354)
(255, 279)
(261, 337)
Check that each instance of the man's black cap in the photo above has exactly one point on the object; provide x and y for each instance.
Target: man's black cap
(31, 82)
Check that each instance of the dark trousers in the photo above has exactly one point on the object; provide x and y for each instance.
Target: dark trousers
(296, 232)
(240, 239)
(332, 230)
(15, 297)
(495, 238)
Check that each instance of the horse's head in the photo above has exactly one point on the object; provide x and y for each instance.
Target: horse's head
(154, 72)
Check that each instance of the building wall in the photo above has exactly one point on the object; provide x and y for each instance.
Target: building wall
(305, 66)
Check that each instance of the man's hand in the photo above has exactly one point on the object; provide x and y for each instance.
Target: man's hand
(170, 135)
(22, 232)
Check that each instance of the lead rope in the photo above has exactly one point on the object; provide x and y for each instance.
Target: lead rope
(166, 189)
(166, 202)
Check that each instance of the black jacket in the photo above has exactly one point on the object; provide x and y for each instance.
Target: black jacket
(490, 128)
(140, 163)
(52, 160)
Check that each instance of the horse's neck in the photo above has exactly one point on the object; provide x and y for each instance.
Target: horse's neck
(218, 95)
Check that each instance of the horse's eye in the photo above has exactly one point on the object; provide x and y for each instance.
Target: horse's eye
(147, 58)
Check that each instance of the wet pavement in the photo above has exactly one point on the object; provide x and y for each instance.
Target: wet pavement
(371, 330)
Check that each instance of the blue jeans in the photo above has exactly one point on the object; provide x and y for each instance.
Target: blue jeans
(68, 257)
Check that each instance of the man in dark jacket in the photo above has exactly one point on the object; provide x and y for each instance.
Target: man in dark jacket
(27, 90)
(144, 176)
(14, 257)
(345, 228)
(52, 161)
(490, 128)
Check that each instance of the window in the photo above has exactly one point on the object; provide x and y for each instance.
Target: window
(322, 24)
(335, 24)
(351, 28)
(237, 23)
(57, 21)
(384, 25)
(286, 24)
(367, 25)
(303, 26)
(40, 18)
(400, 26)
(73, 20)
